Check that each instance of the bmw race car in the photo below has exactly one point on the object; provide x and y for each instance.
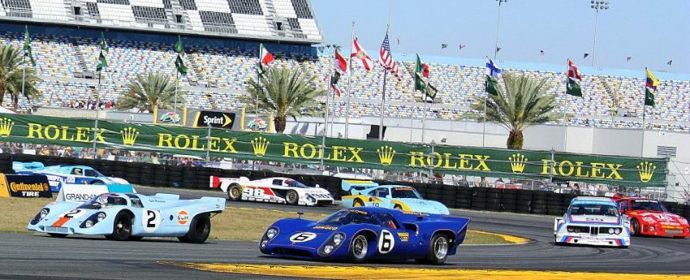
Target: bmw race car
(368, 193)
(650, 217)
(275, 189)
(592, 221)
(58, 175)
(367, 233)
(128, 216)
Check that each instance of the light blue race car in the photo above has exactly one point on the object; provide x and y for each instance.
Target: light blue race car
(129, 216)
(368, 193)
(58, 175)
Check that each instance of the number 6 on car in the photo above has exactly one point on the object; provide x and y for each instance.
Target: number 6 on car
(128, 216)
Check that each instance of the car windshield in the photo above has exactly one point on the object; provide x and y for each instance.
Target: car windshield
(593, 209)
(405, 192)
(349, 216)
(295, 184)
(647, 205)
(103, 200)
(92, 173)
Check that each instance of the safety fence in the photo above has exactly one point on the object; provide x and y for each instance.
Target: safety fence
(464, 197)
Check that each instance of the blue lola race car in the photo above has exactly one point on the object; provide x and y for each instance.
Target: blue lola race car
(367, 233)
(128, 216)
(58, 175)
(368, 193)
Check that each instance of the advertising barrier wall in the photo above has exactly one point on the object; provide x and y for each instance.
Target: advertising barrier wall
(462, 196)
(385, 155)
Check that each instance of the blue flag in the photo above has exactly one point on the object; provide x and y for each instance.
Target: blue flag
(494, 71)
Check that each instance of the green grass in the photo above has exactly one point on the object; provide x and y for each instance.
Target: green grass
(246, 224)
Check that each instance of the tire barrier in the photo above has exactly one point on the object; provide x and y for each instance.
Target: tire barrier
(510, 200)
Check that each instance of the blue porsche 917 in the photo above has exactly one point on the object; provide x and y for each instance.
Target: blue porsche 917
(367, 233)
(128, 216)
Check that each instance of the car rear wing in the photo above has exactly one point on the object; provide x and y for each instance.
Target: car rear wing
(26, 167)
(354, 187)
(214, 204)
(215, 182)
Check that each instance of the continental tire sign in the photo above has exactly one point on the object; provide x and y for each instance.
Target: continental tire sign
(24, 186)
(490, 162)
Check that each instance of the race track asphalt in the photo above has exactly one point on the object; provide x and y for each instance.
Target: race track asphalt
(26, 256)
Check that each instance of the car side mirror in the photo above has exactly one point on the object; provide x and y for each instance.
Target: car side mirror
(299, 214)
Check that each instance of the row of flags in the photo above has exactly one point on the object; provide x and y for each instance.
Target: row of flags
(359, 55)
(574, 79)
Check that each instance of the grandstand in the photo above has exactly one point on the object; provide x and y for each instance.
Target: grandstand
(221, 59)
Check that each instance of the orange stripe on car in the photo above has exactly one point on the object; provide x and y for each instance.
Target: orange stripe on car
(61, 221)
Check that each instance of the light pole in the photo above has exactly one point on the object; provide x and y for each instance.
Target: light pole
(597, 5)
(498, 25)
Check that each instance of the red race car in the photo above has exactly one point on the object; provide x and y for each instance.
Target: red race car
(650, 217)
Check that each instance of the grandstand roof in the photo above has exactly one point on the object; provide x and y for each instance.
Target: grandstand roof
(271, 20)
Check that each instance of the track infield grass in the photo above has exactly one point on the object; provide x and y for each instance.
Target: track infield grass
(235, 223)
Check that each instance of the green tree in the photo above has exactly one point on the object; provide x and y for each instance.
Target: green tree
(146, 92)
(283, 92)
(521, 101)
(11, 71)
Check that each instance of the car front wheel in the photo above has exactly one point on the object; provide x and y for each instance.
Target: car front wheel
(358, 248)
(122, 228)
(634, 227)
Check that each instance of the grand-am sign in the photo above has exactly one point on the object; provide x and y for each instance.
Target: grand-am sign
(491, 162)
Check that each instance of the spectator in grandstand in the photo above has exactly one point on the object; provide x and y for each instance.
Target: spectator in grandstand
(483, 183)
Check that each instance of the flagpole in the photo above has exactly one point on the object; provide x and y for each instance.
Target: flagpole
(349, 84)
(644, 110)
(325, 122)
(486, 96)
(98, 97)
(424, 115)
(383, 105)
(24, 75)
(565, 126)
(177, 80)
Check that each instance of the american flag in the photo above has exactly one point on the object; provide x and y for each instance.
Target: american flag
(386, 58)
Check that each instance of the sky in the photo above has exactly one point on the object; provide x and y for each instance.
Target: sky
(652, 32)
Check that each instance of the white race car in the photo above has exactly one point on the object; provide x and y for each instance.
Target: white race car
(592, 221)
(274, 189)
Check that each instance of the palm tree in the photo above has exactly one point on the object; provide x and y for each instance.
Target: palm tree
(11, 71)
(149, 91)
(284, 92)
(521, 101)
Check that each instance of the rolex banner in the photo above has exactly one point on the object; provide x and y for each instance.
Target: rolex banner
(626, 171)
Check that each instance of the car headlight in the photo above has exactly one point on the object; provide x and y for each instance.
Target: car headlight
(44, 212)
(328, 249)
(88, 223)
(271, 233)
(617, 231)
(101, 216)
(649, 219)
(264, 243)
(338, 238)
(611, 230)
